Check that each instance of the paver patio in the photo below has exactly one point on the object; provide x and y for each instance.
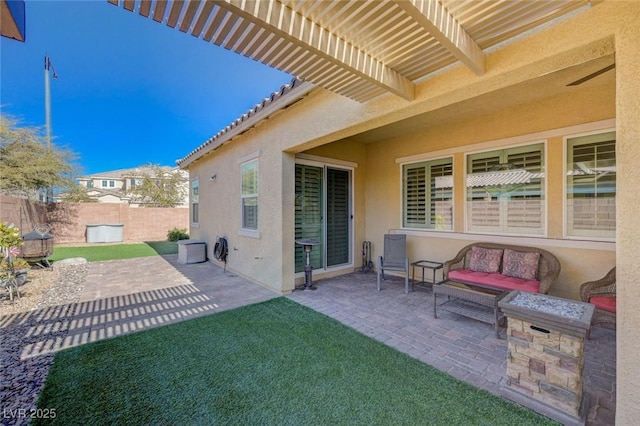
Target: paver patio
(130, 295)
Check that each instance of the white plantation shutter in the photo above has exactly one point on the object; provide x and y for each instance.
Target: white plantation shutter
(195, 197)
(505, 191)
(428, 194)
(415, 196)
(591, 186)
(484, 211)
(249, 172)
(525, 205)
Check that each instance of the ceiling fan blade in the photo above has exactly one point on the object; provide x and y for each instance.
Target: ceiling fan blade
(592, 75)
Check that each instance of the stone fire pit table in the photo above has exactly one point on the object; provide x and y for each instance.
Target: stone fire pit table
(545, 358)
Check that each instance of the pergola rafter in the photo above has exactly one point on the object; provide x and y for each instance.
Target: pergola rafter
(359, 49)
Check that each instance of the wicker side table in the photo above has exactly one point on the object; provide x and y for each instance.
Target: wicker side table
(470, 301)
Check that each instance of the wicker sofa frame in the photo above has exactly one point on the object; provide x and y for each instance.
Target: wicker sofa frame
(548, 265)
(605, 286)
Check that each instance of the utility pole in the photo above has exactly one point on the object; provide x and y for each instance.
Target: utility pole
(47, 110)
(47, 97)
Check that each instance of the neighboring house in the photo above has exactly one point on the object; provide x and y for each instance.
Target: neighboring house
(507, 125)
(115, 186)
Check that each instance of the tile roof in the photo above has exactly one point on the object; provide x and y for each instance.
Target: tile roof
(287, 95)
(119, 173)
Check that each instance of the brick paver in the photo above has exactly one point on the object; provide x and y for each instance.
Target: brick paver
(124, 296)
(465, 348)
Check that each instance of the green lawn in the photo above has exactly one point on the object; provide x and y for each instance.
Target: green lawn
(273, 363)
(115, 251)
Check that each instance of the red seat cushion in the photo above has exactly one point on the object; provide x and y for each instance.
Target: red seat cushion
(606, 303)
(498, 281)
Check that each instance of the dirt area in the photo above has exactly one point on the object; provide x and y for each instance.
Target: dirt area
(32, 293)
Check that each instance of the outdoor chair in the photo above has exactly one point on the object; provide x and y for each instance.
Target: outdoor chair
(394, 258)
(601, 293)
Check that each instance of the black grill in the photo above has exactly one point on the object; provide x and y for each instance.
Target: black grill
(37, 247)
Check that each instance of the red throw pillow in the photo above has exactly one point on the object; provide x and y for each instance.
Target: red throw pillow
(520, 264)
(485, 260)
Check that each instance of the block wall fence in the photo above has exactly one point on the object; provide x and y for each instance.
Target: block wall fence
(69, 221)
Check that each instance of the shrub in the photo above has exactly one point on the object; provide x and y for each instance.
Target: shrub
(177, 234)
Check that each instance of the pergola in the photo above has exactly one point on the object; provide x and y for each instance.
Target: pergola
(359, 49)
(12, 19)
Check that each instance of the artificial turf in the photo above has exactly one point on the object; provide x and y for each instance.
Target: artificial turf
(115, 251)
(272, 363)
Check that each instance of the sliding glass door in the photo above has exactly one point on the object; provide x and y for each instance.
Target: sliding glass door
(323, 212)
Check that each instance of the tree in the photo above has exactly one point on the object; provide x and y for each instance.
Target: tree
(28, 164)
(76, 194)
(158, 187)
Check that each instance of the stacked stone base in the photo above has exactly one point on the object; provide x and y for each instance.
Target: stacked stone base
(544, 371)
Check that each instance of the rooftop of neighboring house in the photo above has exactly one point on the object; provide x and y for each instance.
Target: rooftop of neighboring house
(119, 173)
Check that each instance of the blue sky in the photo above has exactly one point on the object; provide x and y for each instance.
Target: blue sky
(130, 91)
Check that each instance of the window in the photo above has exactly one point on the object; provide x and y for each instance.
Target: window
(249, 171)
(112, 183)
(89, 184)
(104, 184)
(195, 188)
(591, 186)
(428, 194)
(505, 191)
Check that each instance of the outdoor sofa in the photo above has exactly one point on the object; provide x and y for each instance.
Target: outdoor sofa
(504, 267)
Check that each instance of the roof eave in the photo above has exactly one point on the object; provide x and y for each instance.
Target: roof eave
(288, 95)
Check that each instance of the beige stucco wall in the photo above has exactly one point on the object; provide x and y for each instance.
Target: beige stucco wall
(259, 258)
(548, 120)
(627, 217)
(459, 110)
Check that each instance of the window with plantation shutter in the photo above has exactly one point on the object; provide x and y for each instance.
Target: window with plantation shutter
(195, 197)
(505, 191)
(249, 172)
(591, 186)
(428, 194)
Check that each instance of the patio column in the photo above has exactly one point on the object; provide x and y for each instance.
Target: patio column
(288, 222)
(627, 218)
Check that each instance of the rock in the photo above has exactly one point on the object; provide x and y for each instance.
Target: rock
(22, 380)
(71, 261)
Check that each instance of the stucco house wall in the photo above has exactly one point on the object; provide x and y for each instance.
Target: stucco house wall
(589, 108)
(259, 258)
(521, 98)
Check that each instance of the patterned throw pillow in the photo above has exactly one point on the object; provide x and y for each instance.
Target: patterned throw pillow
(520, 264)
(485, 260)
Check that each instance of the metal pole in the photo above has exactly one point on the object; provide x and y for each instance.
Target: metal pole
(47, 113)
(47, 101)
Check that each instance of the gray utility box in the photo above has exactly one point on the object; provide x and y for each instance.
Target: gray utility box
(192, 251)
(105, 233)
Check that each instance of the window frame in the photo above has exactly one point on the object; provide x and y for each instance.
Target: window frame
(567, 228)
(194, 201)
(251, 160)
(428, 164)
(503, 227)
